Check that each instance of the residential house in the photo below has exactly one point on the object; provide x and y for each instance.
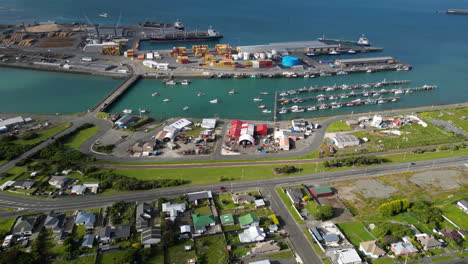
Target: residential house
(85, 218)
(272, 229)
(93, 186)
(108, 234)
(463, 205)
(259, 203)
(88, 241)
(249, 220)
(144, 146)
(243, 198)
(78, 189)
(199, 196)
(24, 184)
(452, 234)
(24, 225)
(348, 256)
(151, 235)
(200, 222)
(403, 248)
(321, 191)
(371, 249)
(265, 248)
(144, 213)
(295, 195)
(58, 181)
(54, 221)
(252, 234)
(173, 209)
(227, 219)
(428, 241)
(331, 239)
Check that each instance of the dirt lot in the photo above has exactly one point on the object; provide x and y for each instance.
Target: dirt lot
(54, 42)
(444, 179)
(374, 188)
(340, 211)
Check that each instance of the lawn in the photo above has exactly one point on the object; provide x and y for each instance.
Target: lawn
(112, 258)
(383, 261)
(240, 251)
(102, 115)
(456, 215)
(82, 260)
(77, 140)
(203, 210)
(439, 259)
(177, 253)
(6, 224)
(212, 248)
(338, 126)
(451, 115)
(288, 205)
(232, 237)
(355, 232)
(283, 254)
(44, 134)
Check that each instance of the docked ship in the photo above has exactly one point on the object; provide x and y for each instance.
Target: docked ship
(183, 36)
(362, 41)
(177, 25)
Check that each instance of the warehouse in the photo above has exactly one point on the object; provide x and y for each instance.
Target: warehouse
(12, 122)
(178, 125)
(208, 123)
(321, 191)
(345, 141)
(364, 61)
(125, 121)
(296, 46)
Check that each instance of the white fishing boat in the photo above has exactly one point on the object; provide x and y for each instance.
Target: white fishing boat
(105, 15)
(333, 52)
(171, 82)
(283, 94)
(166, 100)
(311, 108)
(257, 99)
(261, 106)
(200, 94)
(214, 101)
(185, 82)
(264, 93)
(283, 111)
(186, 108)
(127, 111)
(155, 94)
(341, 73)
(143, 111)
(232, 92)
(351, 51)
(266, 111)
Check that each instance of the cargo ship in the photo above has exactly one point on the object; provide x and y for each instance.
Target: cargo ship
(457, 12)
(362, 41)
(184, 36)
(177, 25)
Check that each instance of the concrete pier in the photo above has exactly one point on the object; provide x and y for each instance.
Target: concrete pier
(112, 96)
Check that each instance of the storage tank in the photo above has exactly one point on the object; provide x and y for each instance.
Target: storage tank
(269, 55)
(246, 56)
(274, 52)
(263, 55)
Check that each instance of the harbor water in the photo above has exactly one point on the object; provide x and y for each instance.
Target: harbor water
(410, 31)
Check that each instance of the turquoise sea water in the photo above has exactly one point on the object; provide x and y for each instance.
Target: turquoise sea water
(412, 31)
(26, 91)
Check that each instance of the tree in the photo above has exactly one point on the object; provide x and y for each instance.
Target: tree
(393, 207)
(427, 213)
(274, 219)
(324, 212)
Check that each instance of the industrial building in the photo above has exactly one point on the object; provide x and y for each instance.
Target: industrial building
(286, 47)
(364, 61)
(126, 121)
(345, 141)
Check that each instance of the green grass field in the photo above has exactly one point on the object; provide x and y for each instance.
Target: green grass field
(355, 232)
(283, 254)
(383, 261)
(439, 259)
(212, 248)
(456, 215)
(81, 137)
(203, 210)
(44, 134)
(177, 253)
(6, 224)
(338, 126)
(452, 115)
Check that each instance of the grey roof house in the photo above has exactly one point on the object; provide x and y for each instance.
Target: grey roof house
(88, 241)
(295, 195)
(54, 221)
(24, 225)
(151, 235)
(110, 234)
(85, 218)
(144, 213)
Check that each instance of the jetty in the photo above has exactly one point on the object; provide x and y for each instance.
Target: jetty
(102, 105)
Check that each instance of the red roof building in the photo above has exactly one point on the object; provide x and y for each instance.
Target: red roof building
(261, 129)
(235, 130)
(321, 191)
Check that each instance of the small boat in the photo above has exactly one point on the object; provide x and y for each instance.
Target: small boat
(266, 111)
(143, 111)
(310, 54)
(323, 107)
(171, 82)
(351, 51)
(283, 111)
(333, 52)
(232, 92)
(332, 97)
(377, 85)
(382, 101)
(311, 108)
(324, 74)
(257, 99)
(329, 89)
(253, 76)
(292, 92)
(105, 15)
(185, 82)
(261, 106)
(166, 100)
(376, 94)
(341, 73)
(350, 104)
(399, 91)
(186, 108)
(369, 71)
(336, 106)
(214, 101)
(370, 102)
(283, 94)
(312, 76)
(365, 94)
(127, 111)
(408, 91)
(394, 100)
(344, 87)
(200, 94)
(355, 87)
(306, 76)
(344, 96)
(366, 85)
(297, 110)
(264, 93)
(155, 94)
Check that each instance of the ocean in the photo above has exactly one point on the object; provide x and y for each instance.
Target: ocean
(411, 31)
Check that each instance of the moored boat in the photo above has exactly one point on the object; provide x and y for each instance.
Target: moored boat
(186, 108)
(185, 82)
(166, 100)
(127, 111)
(214, 101)
(257, 99)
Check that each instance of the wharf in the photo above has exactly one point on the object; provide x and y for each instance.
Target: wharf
(118, 91)
(322, 97)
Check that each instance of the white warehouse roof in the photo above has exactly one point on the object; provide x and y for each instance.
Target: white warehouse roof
(345, 139)
(209, 123)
